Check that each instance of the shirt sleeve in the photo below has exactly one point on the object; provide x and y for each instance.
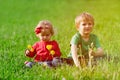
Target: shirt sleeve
(75, 39)
(57, 50)
(32, 54)
(97, 43)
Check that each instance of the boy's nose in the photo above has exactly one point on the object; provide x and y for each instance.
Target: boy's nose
(87, 25)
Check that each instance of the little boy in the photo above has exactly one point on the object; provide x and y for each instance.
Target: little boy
(84, 38)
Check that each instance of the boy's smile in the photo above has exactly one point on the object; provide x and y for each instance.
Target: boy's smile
(85, 27)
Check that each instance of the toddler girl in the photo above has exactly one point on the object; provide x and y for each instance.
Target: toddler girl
(45, 51)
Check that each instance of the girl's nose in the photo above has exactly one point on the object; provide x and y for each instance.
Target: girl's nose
(44, 36)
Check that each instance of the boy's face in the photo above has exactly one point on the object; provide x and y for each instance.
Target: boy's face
(85, 27)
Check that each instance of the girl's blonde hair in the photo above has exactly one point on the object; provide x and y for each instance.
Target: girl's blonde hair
(43, 26)
(83, 17)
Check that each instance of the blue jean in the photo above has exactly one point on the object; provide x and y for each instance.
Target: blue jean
(54, 63)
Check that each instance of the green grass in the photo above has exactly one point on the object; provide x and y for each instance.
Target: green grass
(18, 19)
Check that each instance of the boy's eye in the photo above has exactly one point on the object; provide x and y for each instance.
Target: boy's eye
(89, 23)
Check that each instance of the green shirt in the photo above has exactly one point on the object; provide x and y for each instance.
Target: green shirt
(83, 45)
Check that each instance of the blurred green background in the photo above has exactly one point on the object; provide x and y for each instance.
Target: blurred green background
(18, 19)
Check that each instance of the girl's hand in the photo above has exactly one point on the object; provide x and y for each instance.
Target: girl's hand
(29, 47)
(27, 52)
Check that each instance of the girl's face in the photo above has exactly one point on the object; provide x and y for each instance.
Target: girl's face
(45, 36)
(85, 27)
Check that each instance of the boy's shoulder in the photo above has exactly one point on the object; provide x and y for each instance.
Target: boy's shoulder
(76, 38)
(77, 35)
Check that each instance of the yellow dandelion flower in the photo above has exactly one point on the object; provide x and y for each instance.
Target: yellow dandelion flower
(49, 47)
(30, 48)
(52, 52)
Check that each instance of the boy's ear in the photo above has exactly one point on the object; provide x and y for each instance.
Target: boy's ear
(77, 28)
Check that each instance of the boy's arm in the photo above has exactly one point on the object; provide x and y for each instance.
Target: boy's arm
(74, 55)
(99, 52)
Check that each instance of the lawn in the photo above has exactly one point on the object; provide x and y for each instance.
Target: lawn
(18, 19)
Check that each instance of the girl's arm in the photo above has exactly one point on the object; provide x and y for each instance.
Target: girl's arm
(74, 55)
(57, 50)
(29, 53)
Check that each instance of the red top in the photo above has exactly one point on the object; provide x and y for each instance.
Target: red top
(43, 53)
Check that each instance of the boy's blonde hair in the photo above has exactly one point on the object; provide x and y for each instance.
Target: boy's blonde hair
(43, 26)
(83, 17)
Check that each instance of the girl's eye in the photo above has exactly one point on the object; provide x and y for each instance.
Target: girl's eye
(83, 24)
(47, 35)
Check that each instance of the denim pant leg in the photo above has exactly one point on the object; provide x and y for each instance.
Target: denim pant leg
(29, 64)
(46, 63)
(56, 62)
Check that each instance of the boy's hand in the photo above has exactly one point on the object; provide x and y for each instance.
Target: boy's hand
(91, 50)
(93, 53)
